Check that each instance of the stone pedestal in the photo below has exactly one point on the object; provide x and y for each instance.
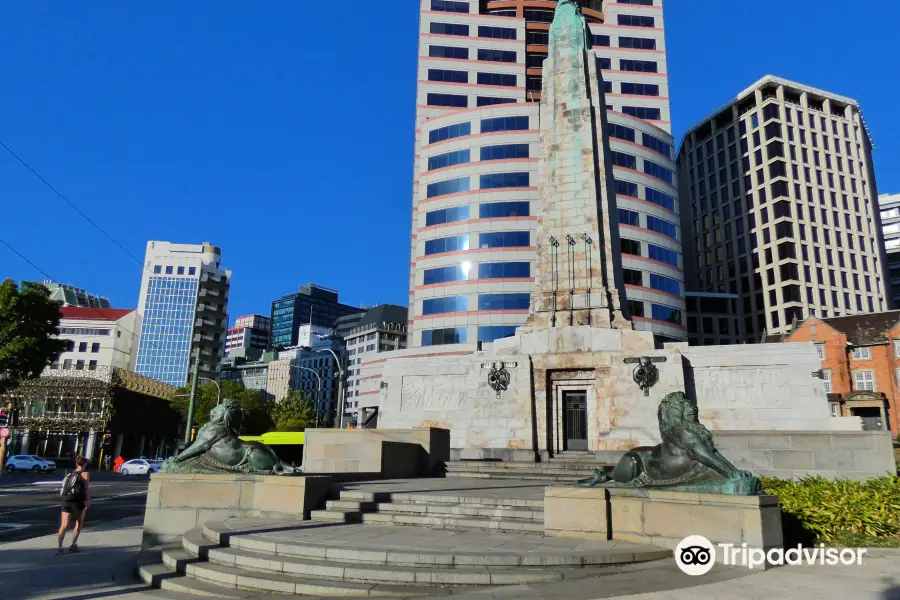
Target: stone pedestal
(387, 453)
(662, 518)
(177, 502)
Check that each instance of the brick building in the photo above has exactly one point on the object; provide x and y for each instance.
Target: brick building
(860, 365)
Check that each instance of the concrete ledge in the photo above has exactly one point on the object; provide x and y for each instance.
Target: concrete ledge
(662, 518)
(177, 503)
(393, 453)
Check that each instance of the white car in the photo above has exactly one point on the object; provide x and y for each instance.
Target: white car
(138, 466)
(29, 462)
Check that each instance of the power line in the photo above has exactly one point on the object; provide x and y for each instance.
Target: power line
(47, 275)
(69, 202)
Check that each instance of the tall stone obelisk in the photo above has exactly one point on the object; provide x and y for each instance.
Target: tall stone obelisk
(577, 279)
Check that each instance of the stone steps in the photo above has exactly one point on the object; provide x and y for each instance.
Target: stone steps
(246, 561)
(566, 470)
(523, 476)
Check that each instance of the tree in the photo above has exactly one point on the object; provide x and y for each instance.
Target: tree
(29, 322)
(294, 413)
(256, 417)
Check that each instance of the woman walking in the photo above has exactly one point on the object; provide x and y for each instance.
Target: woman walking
(76, 499)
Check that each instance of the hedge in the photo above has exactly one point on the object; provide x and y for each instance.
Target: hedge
(833, 510)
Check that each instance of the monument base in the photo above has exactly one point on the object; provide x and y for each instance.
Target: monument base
(178, 502)
(663, 518)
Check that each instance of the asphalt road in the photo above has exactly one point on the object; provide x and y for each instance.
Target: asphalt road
(29, 503)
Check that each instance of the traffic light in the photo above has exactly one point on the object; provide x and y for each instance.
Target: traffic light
(4, 417)
(107, 438)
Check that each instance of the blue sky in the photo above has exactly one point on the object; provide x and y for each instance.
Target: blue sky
(283, 131)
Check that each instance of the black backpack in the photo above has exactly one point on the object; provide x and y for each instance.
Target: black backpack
(73, 487)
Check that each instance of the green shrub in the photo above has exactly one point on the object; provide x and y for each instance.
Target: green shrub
(833, 511)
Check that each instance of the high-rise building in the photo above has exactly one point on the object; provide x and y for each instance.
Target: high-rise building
(311, 370)
(67, 295)
(473, 242)
(382, 329)
(778, 192)
(183, 307)
(251, 331)
(889, 207)
(312, 304)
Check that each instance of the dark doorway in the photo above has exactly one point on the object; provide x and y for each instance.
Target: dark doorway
(871, 417)
(576, 420)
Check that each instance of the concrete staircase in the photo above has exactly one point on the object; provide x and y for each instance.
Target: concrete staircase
(565, 468)
(434, 511)
(240, 560)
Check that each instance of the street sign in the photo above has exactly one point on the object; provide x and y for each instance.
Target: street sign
(5, 432)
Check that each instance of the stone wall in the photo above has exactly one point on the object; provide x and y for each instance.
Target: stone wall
(389, 453)
(177, 503)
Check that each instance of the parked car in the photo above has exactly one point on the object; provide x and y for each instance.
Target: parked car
(29, 462)
(138, 466)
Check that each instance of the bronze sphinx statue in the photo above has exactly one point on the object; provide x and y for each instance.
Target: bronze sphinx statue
(218, 449)
(685, 460)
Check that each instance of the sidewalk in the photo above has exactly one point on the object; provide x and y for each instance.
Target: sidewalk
(105, 569)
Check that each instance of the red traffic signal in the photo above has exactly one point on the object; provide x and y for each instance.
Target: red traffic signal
(4, 417)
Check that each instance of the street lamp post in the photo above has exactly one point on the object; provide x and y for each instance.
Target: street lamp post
(340, 383)
(319, 395)
(218, 389)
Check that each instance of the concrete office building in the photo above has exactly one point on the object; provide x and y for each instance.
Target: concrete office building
(251, 332)
(312, 304)
(248, 367)
(889, 208)
(67, 295)
(97, 337)
(476, 165)
(383, 329)
(778, 192)
(183, 306)
(310, 371)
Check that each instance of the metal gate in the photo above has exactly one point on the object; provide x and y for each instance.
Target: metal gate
(575, 420)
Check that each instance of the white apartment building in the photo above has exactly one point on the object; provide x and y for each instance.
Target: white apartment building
(382, 329)
(779, 194)
(97, 337)
(183, 305)
(476, 165)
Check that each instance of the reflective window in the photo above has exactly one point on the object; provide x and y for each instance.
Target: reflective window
(663, 254)
(657, 197)
(494, 210)
(448, 52)
(537, 38)
(621, 159)
(449, 159)
(167, 329)
(635, 21)
(504, 270)
(643, 112)
(450, 6)
(504, 151)
(603, 63)
(638, 66)
(451, 100)
(665, 284)
(504, 301)
(489, 101)
(661, 226)
(452, 304)
(539, 15)
(654, 143)
(501, 33)
(449, 29)
(446, 215)
(658, 171)
(447, 244)
(504, 79)
(504, 124)
(450, 186)
(447, 274)
(630, 246)
(440, 337)
(504, 239)
(447, 75)
(666, 313)
(621, 132)
(504, 180)
(629, 217)
(637, 43)
(449, 132)
(507, 56)
(599, 40)
(496, 332)
(626, 188)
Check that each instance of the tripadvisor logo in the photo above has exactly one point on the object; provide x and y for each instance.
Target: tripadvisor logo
(696, 555)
